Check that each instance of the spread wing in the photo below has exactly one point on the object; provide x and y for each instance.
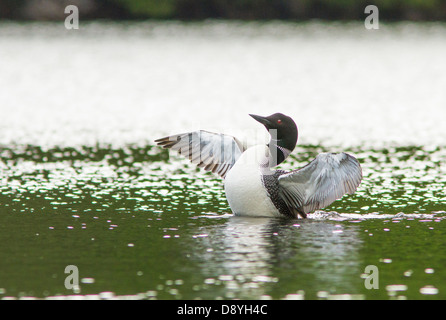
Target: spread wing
(322, 181)
(214, 152)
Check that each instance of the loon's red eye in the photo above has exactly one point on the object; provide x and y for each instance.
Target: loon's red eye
(279, 121)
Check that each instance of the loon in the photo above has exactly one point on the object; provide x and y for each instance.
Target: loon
(253, 187)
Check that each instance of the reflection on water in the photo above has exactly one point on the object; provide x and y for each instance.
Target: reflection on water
(138, 203)
(245, 255)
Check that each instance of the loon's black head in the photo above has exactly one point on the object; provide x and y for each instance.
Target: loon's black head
(283, 131)
(281, 127)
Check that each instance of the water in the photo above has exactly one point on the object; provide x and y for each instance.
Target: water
(82, 184)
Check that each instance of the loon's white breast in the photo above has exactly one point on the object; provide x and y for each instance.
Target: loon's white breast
(244, 188)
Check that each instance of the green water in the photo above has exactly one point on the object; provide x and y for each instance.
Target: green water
(140, 224)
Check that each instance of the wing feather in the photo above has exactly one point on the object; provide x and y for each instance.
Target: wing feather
(324, 180)
(211, 151)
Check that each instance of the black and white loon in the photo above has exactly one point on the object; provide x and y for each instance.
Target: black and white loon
(252, 187)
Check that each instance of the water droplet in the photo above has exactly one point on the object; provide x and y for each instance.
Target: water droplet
(386, 260)
(408, 273)
(396, 287)
(428, 290)
(87, 280)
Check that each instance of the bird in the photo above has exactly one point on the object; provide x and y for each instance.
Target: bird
(252, 185)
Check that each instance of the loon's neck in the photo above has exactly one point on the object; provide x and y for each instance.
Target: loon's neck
(278, 152)
(281, 144)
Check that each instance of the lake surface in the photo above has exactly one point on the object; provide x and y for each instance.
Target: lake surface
(82, 184)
